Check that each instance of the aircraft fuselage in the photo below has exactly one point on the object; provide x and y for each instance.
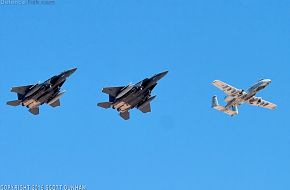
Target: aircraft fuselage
(251, 92)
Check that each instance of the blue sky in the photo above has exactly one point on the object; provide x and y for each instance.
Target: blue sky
(183, 143)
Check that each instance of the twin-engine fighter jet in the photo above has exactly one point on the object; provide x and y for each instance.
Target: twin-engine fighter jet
(124, 98)
(32, 96)
(236, 97)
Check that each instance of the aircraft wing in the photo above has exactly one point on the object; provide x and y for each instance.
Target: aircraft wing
(261, 103)
(228, 89)
(113, 91)
(21, 89)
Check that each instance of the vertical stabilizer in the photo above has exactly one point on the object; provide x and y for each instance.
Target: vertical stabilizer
(214, 102)
(125, 115)
(34, 111)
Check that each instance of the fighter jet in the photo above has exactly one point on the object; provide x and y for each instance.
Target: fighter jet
(32, 96)
(124, 98)
(236, 97)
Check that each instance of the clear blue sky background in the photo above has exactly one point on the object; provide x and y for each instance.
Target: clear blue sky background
(183, 143)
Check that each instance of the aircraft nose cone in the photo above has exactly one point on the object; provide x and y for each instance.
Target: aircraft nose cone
(73, 70)
(161, 75)
(265, 82)
(70, 72)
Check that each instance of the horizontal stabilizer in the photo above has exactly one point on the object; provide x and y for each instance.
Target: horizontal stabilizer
(215, 105)
(55, 103)
(21, 89)
(225, 110)
(105, 105)
(34, 111)
(113, 91)
(125, 115)
(14, 103)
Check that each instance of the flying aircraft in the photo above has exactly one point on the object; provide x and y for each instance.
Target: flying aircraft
(236, 97)
(32, 96)
(124, 98)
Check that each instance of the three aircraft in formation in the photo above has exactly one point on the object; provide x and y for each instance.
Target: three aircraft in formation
(124, 98)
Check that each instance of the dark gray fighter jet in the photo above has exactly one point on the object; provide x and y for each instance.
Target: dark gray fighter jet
(124, 98)
(32, 96)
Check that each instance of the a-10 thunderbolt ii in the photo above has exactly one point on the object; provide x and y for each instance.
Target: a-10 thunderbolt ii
(236, 97)
(124, 98)
(32, 96)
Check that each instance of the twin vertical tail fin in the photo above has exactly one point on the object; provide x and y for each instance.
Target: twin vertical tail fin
(125, 115)
(232, 111)
(34, 111)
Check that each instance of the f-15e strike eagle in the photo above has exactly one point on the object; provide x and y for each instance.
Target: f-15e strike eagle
(124, 98)
(236, 97)
(32, 96)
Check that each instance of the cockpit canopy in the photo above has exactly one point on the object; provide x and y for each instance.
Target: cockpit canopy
(54, 79)
(261, 80)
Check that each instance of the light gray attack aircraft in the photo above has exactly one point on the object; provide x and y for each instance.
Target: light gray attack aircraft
(236, 97)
